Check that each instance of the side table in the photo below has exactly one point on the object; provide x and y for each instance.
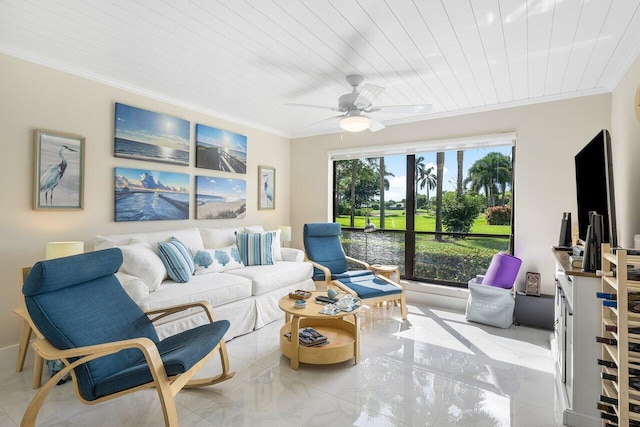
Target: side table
(388, 271)
(342, 330)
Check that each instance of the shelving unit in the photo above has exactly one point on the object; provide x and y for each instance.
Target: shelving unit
(622, 319)
(577, 316)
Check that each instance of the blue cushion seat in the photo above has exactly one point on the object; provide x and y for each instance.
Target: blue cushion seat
(178, 353)
(322, 244)
(77, 301)
(370, 286)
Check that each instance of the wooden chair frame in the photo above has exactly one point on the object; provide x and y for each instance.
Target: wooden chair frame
(167, 387)
(393, 298)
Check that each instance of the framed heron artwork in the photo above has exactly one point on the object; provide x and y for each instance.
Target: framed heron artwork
(59, 171)
(266, 187)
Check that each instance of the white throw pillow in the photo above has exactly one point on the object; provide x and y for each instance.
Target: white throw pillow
(216, 260)
(106, 242)
(141, 261)
(216, 238)
(275, 245)
(135, 287)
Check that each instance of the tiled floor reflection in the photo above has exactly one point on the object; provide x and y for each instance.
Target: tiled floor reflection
(435, 369)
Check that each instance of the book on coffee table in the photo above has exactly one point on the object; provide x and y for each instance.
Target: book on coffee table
(309, 337)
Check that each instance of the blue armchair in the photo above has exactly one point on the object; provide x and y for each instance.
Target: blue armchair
(324, 250)
(106, 341)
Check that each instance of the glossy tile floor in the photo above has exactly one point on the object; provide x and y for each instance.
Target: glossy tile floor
(435, 369)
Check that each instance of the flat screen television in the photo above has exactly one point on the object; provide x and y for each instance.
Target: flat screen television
(594, 185)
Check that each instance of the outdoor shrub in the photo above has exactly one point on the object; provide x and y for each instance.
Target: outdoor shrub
(499, 215)
(458, 213)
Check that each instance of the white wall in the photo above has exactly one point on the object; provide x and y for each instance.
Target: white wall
(625, 137)
(548, 137)
(33, 96)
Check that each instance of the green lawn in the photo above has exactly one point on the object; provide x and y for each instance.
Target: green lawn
(395, 220)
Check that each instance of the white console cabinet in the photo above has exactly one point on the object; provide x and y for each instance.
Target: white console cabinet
(576, 325)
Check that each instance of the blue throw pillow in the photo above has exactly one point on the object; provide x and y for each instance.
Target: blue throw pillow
(177, 260)
(256, 248)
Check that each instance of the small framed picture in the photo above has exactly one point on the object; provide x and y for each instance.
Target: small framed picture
(532, 286)
(266, 187)
(59, 171)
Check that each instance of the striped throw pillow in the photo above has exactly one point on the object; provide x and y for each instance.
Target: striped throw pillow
(177, 260)
(256, 248)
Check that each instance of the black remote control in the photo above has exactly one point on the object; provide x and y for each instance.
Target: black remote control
(325, 300)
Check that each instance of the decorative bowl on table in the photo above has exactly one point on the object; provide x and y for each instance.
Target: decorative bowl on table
(299, 294)
(300, 303)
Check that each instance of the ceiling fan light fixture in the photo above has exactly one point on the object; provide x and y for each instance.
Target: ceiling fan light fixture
(355, 123)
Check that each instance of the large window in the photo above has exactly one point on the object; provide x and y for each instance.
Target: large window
(439, 215)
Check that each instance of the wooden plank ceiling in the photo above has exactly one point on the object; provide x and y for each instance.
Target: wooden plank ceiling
(244, 60)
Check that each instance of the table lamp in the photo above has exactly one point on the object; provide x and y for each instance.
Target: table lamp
(285, 233)
(368, 228)
(62, 249)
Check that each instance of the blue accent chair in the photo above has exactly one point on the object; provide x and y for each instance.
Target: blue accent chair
(324, 250)
(86, 319)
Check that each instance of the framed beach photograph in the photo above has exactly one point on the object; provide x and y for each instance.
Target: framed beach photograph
(146, 195)
(59, 171)
(145, 135)
(266, 187)
(220, 150)
(220, 198)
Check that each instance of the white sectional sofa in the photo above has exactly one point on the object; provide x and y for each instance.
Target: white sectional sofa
(246, 296)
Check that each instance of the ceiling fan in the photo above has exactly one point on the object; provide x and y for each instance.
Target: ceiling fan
(355, 104)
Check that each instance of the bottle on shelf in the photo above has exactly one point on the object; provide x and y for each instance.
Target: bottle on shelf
(635, 347)
(614, 328)
(610, 300)
(613, 401)
(634, 382)
(610, 364)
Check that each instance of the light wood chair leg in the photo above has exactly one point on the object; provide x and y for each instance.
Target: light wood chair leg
(23, 346)
(38, 364)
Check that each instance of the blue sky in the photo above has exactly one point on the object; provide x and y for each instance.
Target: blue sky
(231, 189)
(221, 138)
(169, 179)
(148, 127)
(397, 165)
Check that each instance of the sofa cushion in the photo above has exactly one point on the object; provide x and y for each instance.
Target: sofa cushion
(216, 238)
(256, 248)
(217, 260)
(177, 260)
(141, 261)
(189, 236)
(217, 288)
(266, 278)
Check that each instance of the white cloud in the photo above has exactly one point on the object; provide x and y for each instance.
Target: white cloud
(397, 189)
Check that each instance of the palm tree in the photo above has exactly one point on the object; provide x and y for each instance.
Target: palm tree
(460, 154)
(491, 174)
(440, 173)
(424, 176)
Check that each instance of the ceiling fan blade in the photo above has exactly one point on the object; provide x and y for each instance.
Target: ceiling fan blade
(401, 109)
(375, 125)
(324, 120)
(367, 94)
(323, 107)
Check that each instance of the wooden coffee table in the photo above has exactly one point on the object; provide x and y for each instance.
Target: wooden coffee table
(342, 330)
